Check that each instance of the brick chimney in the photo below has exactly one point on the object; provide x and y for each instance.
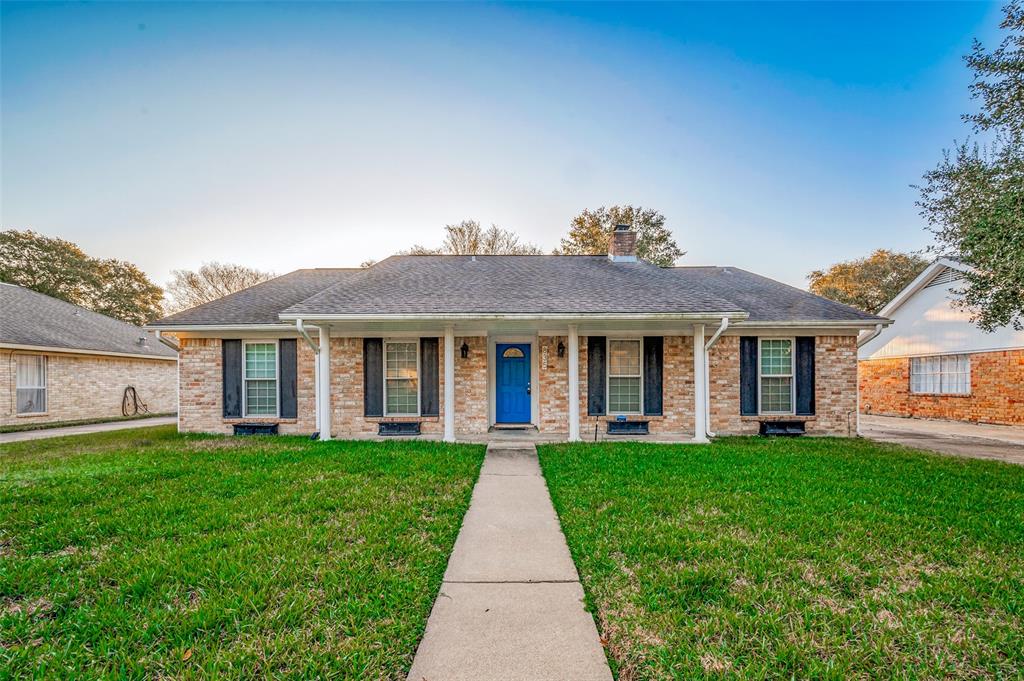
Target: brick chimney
(623, 244)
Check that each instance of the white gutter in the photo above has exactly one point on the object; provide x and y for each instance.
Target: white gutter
(687, 316)
(172, 345)
(81, 351)
(707, 375)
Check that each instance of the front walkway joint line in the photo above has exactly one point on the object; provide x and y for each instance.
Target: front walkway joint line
(511, 604)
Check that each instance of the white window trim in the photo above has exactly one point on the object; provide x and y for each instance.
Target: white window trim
(43, 387)
(910, 375)
(277, 379)
(419, 376)
(791, 376)
(608, 375)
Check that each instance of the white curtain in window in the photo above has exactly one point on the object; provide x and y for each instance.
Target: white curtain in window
(31, 384)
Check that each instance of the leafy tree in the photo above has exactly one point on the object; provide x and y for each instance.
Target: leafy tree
(469, 238)
(125, 292)
(61, 269)
(590, 233)
(973, 200)
(868, 283)
(211, 281)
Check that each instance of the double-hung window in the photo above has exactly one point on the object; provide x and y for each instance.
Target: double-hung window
(624, 377)
(941, 374)
(775, 375)
(401, 378)
(31, 384)
(259, 373)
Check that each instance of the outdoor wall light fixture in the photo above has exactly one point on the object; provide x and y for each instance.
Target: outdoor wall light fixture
(561, 349)
(464, 350)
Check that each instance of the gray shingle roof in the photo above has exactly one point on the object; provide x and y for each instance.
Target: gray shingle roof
(523, 284)
(515, 284)
(260, 304)
(30, 318)
(765, 299)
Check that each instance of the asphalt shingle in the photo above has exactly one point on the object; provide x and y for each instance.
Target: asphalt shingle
(260, 304)
(34, 319)
(524, 284)
(545, 284)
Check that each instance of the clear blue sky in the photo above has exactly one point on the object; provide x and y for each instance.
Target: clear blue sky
(775, 137)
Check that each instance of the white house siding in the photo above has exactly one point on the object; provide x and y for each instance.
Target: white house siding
(928, 324)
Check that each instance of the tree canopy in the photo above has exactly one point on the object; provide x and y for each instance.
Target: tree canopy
(590, 233)
(60, 269)
(867, 283)
(211, 281)
(973, 201)
(470, 238)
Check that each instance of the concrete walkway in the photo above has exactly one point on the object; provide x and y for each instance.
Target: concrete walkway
(977, 441)
(511, 605)
(23, 435)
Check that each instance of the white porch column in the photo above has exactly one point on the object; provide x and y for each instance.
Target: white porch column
(700, 397)
(449, 383)
(324, 394)
(574, 384)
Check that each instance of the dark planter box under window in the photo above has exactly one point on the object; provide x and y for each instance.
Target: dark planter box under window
(399, 428)
(785, 428)
(255, 429)
(627, 428)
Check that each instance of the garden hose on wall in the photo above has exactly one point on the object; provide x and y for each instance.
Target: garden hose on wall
(131, 405)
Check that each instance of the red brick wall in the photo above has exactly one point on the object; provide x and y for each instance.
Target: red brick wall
(201, 388)
(835, 388)
(997, 390)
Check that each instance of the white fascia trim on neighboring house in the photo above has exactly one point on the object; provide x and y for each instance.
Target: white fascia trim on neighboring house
(78, 351)
(920, 282)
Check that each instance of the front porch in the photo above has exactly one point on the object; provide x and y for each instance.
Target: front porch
(541, 377)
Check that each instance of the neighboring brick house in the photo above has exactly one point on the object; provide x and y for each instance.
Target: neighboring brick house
(569, 346)
(933, 362)
(61, 362)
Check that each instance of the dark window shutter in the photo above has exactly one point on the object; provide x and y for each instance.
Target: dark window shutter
(805, 375)
(231, 378)
(653, 362)
(596, 347)
(429, 398)
(373, 377)
(286, 386)
(748, 375)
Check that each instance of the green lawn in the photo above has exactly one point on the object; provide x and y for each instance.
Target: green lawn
(796, 558)
(146, 554)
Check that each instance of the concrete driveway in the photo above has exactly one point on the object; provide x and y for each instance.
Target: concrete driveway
(44, 433)
(977, 441)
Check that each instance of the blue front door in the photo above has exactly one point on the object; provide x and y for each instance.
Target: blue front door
(512, 391)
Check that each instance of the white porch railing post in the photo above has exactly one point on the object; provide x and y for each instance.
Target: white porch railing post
(574, 384)
(449, 383)
(324, 396)
(700, 397)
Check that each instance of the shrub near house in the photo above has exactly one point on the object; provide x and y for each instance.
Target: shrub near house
(452, 346)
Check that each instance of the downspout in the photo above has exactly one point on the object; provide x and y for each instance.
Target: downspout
(316, 367)
(871, 336)
(707, 375)
(861, 342)
(171, 344)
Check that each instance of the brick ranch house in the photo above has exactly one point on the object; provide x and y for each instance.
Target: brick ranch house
(933, 362)
(60, 362)
(569, 346)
